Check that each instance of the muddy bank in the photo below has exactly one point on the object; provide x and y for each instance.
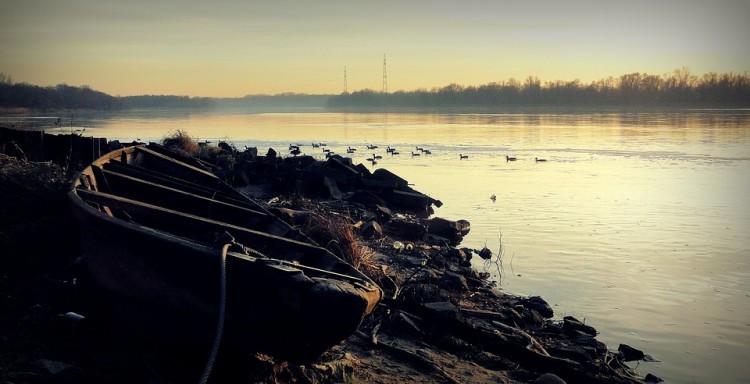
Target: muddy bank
(442, 320)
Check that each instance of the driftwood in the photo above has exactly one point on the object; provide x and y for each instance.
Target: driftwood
(533, 344)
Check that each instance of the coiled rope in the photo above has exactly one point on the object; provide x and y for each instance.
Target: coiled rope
(222, 315)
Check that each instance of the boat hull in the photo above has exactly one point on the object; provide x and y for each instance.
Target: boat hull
(290, 308)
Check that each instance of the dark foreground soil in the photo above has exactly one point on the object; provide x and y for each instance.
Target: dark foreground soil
(440, 321)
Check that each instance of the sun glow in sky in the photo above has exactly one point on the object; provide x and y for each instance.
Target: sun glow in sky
(226, 48)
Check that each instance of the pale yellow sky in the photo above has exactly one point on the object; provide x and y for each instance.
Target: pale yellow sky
(226, 48)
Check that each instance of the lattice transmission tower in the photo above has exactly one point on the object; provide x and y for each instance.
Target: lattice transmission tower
(385, 77)
(346, 90)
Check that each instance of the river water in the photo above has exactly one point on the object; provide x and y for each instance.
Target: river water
(637, 223)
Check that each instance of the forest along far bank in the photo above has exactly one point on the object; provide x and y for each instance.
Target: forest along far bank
(678, 89)
(440, 319)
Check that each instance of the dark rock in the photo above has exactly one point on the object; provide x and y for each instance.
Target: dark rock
(426, 275)
(463, 226)
(226, 147)
(540, 305)
(573, 327)
(371, 229)
(455, 282)
(405, 229)
(368, 216)
(333, 188)
(368, 199)
(442, 227)
(482, 275)
(455, 345)
(384, 174)
(453, 231)
(533, 317)
(361, 168)
(629, 353)
(383, 213)
(652, 379)
(425, 293)
(300, 161)
(251, 152)
(485, 253)
(522, 376)
(340, 162)
(459, 254)
(592, 344)
(271, 154)
(445, 307)
(549, 378)
(572, 352)
(415, 261)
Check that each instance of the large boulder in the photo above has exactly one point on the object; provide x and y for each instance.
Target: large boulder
(453, 231)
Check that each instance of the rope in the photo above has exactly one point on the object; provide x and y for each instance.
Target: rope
(222, 316)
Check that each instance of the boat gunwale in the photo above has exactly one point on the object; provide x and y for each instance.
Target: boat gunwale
(189, 243)
(79, 189)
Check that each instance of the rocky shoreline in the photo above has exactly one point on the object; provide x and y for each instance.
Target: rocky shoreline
(441, 321)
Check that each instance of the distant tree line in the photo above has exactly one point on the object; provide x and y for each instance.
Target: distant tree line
(63, 96)
(679, 88)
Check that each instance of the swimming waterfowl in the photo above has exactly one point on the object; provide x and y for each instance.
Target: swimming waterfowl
(508, 158)
(537, 159)
(461, 156)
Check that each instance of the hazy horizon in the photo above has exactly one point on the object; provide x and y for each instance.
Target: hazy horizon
(238, 48)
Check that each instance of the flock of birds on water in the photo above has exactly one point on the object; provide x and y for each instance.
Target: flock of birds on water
(294, 149)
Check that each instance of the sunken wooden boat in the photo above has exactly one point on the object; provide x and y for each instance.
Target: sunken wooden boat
(183, 249)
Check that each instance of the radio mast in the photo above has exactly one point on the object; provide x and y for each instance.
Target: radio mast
(385, 77)
(345, 85)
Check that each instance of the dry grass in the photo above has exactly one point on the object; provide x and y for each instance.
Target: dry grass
(31, 181)
(336, 234)
(181, 142)
(35, 225)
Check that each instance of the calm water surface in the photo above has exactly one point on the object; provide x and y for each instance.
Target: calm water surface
(637, 223)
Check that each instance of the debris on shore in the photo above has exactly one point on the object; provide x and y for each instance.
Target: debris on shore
(441, 320)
